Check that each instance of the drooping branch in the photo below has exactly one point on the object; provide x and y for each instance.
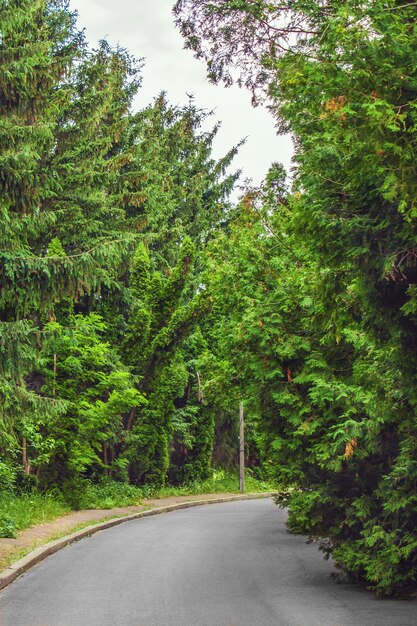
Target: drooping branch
(240, 40)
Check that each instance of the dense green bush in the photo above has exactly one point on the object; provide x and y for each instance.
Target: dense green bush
(105, 494)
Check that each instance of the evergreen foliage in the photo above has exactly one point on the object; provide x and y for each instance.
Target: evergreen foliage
(104, 218)
(39, 44)
(328, 330)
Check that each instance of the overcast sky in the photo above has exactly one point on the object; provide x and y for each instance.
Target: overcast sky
(146, 29)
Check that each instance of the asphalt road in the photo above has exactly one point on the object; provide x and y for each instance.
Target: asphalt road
(231, 564)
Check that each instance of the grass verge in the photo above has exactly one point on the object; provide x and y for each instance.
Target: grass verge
(18, 512)
(21, 511)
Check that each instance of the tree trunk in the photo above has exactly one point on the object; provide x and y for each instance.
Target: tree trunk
(25, 462)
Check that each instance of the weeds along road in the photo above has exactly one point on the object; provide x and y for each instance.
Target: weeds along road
(231, 564)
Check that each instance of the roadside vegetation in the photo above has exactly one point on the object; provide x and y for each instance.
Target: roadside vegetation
(18, 512)
(321, 304)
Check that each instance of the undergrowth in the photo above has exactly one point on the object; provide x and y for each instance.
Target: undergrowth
(221, 481)
(20, 511)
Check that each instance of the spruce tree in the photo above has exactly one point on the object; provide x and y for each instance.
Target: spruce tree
(63, 115)
(39, 44)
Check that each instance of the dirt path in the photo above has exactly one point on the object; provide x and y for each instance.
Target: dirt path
(36, 536)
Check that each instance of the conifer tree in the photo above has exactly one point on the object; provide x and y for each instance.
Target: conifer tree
(99, 346)
(63, 116)
(39, 44)
(90, 149)
(342, 79)
(172, 187)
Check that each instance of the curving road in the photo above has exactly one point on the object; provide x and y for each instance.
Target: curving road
(231, 564)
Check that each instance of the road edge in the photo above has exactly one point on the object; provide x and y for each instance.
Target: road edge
(34, 557)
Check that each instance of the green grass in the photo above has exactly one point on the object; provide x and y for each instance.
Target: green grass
(18, 512)
(221, 481)
(21, 511)
(108, 494)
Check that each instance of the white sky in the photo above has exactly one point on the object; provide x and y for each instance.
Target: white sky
(146, 29)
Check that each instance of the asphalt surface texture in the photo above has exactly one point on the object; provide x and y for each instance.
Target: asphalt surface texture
(231, 564)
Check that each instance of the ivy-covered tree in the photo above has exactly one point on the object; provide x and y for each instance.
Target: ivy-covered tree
(162, 314)
(176, 196)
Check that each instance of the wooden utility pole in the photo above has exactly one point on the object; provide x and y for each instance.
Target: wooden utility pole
(241, 448)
